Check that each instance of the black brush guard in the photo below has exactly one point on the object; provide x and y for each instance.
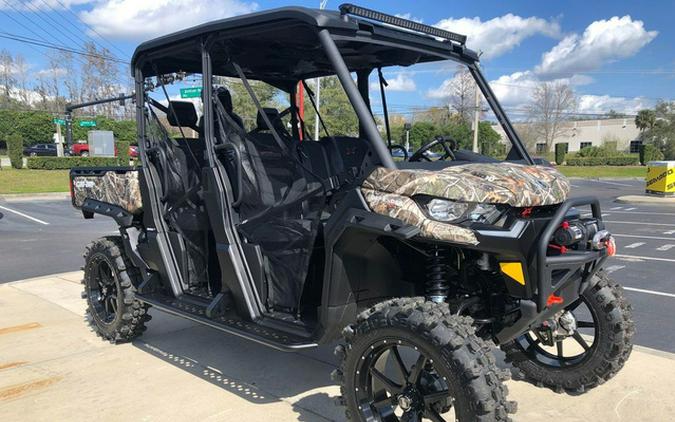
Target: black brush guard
(553, 272)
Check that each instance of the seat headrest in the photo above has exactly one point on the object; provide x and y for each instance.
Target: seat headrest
(184, 111)
(225, 98)
(272, 115)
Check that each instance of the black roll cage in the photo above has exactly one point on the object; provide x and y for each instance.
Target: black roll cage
(241, 280)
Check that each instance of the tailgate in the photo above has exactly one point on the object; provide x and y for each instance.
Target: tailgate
(111, 185)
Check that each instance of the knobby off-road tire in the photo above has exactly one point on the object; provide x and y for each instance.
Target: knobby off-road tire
(109, 276)
(463, 361)
(614, 330)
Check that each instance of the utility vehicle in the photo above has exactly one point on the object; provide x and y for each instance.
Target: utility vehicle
(250, 226)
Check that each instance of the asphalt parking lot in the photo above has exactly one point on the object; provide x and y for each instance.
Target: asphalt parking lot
(50, 236)
(48, 355)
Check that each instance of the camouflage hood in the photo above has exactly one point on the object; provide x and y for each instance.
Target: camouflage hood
(492, 183)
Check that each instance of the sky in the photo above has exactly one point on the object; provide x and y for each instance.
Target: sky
(617, 55)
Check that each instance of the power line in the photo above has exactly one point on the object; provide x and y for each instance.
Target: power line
(47, 44)
(60, 28)
(90, 27)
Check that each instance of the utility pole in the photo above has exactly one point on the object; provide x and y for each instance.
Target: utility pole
(322, 6)
(476, 116)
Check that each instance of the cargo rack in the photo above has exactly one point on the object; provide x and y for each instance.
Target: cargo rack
(373, 15)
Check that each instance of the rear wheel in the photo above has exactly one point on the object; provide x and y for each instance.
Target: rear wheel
(599, 338)
(84, 154)
(410, 360)
(112, 309)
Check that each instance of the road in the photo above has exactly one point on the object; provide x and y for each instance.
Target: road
(47, 237)
(645, 263)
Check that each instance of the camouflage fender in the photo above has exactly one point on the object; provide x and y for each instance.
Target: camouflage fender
(121, 189)
(407, 210)
(493, 183)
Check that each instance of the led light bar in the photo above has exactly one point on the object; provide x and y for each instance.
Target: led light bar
(350, 9)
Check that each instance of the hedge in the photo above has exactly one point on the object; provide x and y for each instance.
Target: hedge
(560, 150)
(620, 160)
(15, 150)
(649, 152)
(65, 163)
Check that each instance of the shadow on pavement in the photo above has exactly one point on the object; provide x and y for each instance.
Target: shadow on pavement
(249, 370)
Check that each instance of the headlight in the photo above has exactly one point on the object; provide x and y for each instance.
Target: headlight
(449, 211)
(444, 210)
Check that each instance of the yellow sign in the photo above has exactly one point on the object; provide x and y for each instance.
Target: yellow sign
(661, 177)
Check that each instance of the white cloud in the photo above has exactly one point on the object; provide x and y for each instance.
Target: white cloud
(34, 5)
(136, 20)
(51, 73)
(603, 41)
(402, 82)
(501, 34)
(605, 103)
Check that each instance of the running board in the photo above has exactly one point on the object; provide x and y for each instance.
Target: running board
(228, 323)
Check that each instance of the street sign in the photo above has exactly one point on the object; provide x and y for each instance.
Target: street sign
(194, 92)
(61, 122)
(87, 123)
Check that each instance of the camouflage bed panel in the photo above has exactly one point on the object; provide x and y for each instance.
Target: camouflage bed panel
(493, 183)
(406, 210)
(121, 189)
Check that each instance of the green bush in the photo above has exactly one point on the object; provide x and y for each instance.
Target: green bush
(15, 150)
(617, 160)
(64, 163)
(596, 152)
(649, 153)
(123, 151)
(560, 150)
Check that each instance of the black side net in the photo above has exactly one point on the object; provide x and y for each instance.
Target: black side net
(279, 200)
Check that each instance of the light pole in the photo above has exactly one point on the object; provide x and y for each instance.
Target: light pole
(322, 6)
(407, 126)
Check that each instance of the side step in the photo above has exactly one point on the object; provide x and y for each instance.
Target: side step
(228, 323)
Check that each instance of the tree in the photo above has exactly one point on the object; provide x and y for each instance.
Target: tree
(551, 104)
(336, 110)
(7, 79)
(645, 119)
(462, 94)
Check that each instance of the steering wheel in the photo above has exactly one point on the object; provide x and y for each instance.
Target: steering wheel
(396, 147)
(446, 142)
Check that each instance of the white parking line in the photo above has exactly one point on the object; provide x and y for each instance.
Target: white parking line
(647, 258)
(669, 232)
(615, 208)
(631, 209)
(639, 236)
(613, 268)
(634, 245)
(612, 183)
(642, 224)
(645, 213)
(24, 215)
(649, 292)
(666, 247)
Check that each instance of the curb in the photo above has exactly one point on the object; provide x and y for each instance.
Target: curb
(10, 197)
(644, 199)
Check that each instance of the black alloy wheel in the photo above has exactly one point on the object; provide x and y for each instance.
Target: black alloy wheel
(101, 288)
(410, 360)
(395, 389)
(590, 354)
(571, 350)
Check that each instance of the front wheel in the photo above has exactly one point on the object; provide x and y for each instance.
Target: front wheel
(584, 347)
(408, 360)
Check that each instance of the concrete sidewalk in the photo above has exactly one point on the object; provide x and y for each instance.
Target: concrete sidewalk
(53, 368)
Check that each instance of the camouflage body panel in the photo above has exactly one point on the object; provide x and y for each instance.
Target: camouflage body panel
(407, 210)
(121, 189)
(489, 183)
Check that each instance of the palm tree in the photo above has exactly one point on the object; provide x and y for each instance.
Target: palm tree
(645, 119)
